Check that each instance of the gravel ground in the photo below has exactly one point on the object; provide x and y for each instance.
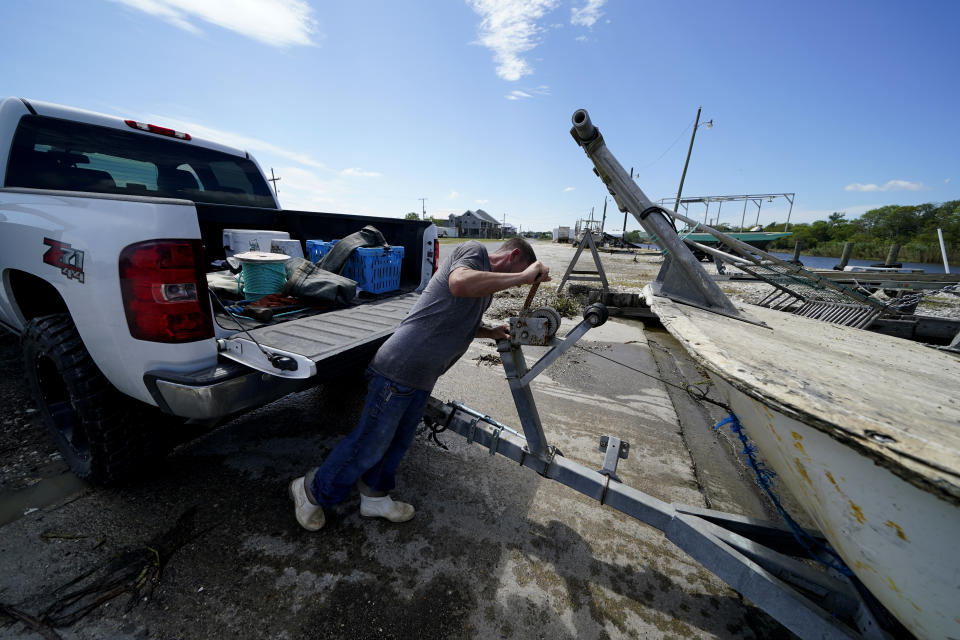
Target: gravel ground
(26, 452)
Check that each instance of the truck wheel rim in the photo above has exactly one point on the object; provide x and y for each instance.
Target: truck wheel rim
(56, 400)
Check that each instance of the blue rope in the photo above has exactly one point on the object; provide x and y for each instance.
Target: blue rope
(765, 476)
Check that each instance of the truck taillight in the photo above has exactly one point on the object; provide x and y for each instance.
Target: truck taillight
(436, 255)
(165, 291)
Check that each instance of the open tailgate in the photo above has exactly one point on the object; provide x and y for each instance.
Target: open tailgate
(300, 348)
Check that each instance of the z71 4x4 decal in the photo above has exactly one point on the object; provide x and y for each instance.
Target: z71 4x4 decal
(65, 258)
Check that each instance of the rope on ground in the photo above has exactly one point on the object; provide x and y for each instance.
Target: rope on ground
(814, 548)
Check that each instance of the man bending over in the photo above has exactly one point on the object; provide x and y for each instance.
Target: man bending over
(401, 376)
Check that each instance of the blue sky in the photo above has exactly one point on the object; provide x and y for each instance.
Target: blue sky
(364, 107)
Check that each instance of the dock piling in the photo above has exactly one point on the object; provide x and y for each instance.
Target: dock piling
(796, 252)
(845, 258)
(892, 255)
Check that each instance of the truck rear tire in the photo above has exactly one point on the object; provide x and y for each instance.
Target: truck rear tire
(104, 435)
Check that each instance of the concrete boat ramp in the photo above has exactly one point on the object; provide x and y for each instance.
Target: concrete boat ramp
(495, 551)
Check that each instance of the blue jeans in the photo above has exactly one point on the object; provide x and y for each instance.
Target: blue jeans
(375, 447)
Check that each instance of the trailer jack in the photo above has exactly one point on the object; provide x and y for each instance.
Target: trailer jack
(761, 560)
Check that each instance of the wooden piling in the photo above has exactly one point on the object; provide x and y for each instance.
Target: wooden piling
(892, 256)
(798, 245)
(845, 257)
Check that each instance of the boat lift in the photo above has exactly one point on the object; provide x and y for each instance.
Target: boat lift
(756, 199)
(764, 561)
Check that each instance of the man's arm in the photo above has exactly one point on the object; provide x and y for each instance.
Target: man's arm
(470, 283)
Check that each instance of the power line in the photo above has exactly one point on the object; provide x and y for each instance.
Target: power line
(672, 145)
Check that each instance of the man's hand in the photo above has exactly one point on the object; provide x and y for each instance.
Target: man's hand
(536, 273)
(494, 333)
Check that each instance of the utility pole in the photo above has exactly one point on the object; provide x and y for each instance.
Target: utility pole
(423, 206)
(696, 125)
(274, 179)
(624, 231)
(604, 223)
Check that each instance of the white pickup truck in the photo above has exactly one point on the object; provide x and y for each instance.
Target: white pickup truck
(108, 228)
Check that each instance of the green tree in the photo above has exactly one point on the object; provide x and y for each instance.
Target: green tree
(413, 215)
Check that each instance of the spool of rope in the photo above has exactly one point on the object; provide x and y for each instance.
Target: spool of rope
(262, 273)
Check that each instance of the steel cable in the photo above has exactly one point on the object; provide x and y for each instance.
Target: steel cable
(692, 390)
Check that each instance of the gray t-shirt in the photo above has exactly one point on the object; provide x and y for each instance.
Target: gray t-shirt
(439, 328)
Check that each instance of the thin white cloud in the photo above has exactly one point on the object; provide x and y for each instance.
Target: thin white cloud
(453, 194)
(889, 185)
(517, 94)
(357, 172)
(581, 38)
(588, 15)
(568, 189)
(947, 181)
(237, 140)
(509, 28)
(482, 201)
(278, 23)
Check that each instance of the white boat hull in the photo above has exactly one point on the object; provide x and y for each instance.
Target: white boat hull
(900, 541)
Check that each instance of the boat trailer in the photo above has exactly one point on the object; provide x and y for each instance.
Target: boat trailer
(763, 561)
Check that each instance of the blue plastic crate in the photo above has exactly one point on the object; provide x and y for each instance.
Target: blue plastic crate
(316, 249)
(376, 270)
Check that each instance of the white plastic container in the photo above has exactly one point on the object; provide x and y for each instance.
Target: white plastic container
(240, 240)
(291, 248)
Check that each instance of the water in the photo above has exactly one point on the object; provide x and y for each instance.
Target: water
(818, 262)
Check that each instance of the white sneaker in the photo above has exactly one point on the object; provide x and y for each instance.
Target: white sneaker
(385, 507)
(309, 515)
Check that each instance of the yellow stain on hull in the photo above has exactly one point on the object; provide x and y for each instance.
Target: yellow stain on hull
(832, 481)
(857, 512)
(765, 409)
(900, 534)
(893, 585)
(798, 444)
(802, 470)
(863, 566)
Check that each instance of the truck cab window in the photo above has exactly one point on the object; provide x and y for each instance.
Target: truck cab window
(50, 153)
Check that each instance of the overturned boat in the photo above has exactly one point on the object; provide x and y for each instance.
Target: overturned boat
(863, 428)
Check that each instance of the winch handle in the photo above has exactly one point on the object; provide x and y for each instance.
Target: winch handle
(530, 295)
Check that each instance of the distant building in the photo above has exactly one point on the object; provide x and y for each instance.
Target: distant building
(476, 224)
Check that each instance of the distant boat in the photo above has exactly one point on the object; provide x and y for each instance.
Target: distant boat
(758, 239)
